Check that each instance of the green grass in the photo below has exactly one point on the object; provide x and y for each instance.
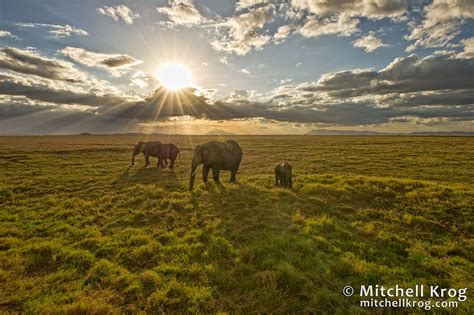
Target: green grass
(83, 232)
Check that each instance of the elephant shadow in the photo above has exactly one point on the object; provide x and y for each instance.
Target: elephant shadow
(150, 175)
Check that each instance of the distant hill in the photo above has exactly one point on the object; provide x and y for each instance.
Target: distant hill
(218, 132)
(329, 132)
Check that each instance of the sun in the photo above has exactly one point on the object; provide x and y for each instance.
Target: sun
(174, 76)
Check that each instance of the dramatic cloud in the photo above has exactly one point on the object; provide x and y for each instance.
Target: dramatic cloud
(31, 62)
(57, 30)
(120, 12)
(181, 12)
(441, 24)
(112, 62)
(411, 81)
(238, 34)
(45, 91)
(370, 43)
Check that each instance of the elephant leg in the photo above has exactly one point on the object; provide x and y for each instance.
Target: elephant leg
(172, 163)
(215, 173)
(290, 183)
(166, 162)
(205, 173)
(147, 161)
(232, 175)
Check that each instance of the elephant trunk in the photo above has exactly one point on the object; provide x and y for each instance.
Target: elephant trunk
(192, 176)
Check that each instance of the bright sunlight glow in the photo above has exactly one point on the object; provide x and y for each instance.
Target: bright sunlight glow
(174, 76)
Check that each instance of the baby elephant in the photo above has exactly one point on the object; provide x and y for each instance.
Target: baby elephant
(283, 175)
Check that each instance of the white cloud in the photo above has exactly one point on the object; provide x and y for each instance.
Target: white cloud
(224, 60)
(57, 30)
(246, 4)
(238, 34)
(120, 12)
(441, 23)
(340, 25)
(372, 9)
(181, 12)
(245, 71)
(8, 34)
(370, 43)
(283, 32)
(468, 52)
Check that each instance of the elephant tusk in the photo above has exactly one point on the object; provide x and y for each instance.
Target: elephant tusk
(194, 173)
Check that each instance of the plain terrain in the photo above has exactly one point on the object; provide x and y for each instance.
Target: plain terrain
(82, 230)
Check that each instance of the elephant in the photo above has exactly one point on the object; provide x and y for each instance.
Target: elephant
(216, 156)
(283, 175)
(164, 152)
(141, 147)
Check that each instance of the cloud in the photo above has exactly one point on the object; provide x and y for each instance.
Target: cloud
(115, 63)
(120, 12)
(181, 13)
(283, 32)
(245, 71)
(31, 62)
(246, 4)
(441, 23)
(341, 17)
(372, 9)
(238, 34)
(57, 30)
(224, 60)
(468, 52)
(370, 43)
(242, 94)
(339, 25)
(47, 91)
(431, 81)
(8, 34)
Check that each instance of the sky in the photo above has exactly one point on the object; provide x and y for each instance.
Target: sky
(243, 67)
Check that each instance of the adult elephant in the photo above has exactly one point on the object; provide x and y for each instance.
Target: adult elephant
(216, 156)
(164, 152)
(142, 147)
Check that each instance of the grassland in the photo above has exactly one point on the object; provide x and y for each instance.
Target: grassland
(82, 231)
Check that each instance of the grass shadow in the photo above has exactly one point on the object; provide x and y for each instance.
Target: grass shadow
(149, 175)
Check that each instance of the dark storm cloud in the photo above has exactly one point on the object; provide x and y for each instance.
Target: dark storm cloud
(118, 61)
(94, 59)
(403, 75)
(10, 86)
(30, 62)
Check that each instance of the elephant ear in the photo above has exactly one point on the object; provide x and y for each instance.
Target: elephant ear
(204, 152)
